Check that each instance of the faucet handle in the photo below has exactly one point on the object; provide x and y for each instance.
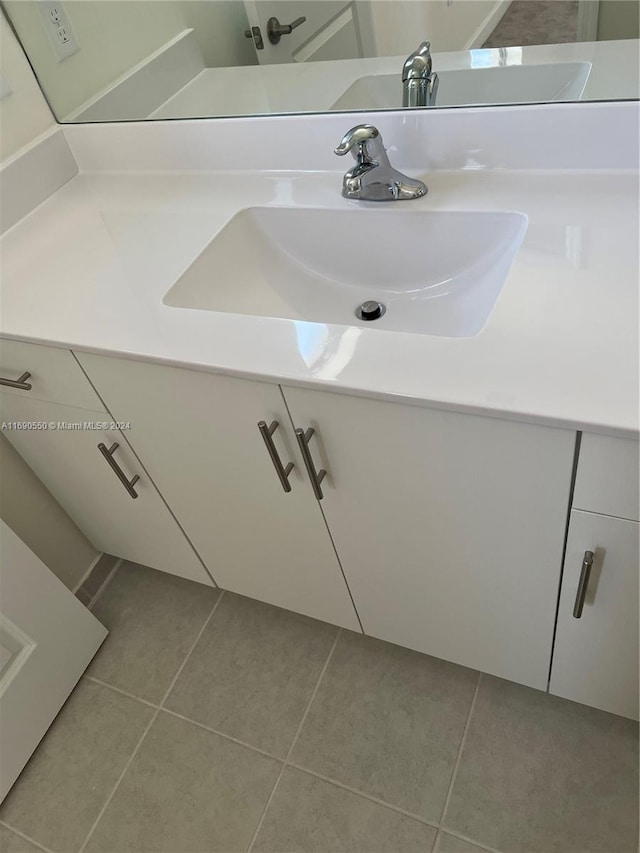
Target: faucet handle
(358, 135)
(357, 138)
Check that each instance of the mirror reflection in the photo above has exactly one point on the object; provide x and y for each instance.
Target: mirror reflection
(118, 60)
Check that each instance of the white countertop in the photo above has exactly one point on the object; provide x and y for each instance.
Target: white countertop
(88, 269)
(316, 86)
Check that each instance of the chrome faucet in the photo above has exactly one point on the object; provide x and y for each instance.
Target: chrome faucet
(373, 178)
(419, 81)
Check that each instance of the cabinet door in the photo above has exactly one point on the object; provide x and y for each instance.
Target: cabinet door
(595, 660)
(197, 435)
(449, 527)
(71, 466)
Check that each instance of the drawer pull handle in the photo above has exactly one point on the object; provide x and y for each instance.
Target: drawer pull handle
(108, 452)
(20, 382)
(587, 563)
(283, 472)
(316, 477)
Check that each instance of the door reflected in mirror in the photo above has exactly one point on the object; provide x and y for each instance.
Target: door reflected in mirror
(119, 60)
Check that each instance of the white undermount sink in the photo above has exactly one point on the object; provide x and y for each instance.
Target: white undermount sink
(507, 84)
(437, 273)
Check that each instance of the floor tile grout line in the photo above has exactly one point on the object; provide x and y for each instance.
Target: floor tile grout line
(287, 761)
(185, 719)
(293, 742)
(364, 795)
(175, 678)
(148, 727)
(191, 650)
(478, 844)
(25, 837)
(119, 779)
(121, 691)
(278, 758)
(198, 725)
(313, 696)
(456, 765)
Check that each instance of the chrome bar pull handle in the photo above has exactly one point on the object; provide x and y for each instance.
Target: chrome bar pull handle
(20, 382)
(108, 452)
(587, 564)
(282, 471)
(316, 477)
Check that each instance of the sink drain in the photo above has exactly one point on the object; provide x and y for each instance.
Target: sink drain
(370, 310)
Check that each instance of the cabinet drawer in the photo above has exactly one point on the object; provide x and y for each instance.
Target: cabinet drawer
(55, 375)
(607, 477)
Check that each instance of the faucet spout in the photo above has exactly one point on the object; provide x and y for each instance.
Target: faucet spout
(419, 81)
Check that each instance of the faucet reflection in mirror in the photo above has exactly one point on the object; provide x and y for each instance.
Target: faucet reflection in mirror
(419, 81)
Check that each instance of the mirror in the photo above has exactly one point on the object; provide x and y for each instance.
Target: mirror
(119, 60)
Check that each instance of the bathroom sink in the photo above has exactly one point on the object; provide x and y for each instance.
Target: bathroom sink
(507, 84)
(436, 273)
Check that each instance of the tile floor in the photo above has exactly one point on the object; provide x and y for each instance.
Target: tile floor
(210, 722)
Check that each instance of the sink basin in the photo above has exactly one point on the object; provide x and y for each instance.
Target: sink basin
(507, 84)
(437, 273)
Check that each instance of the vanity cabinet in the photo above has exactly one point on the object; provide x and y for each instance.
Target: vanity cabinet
(449, 527)
(60, 444)
(197, 434)
(439, 531)
(595, 658)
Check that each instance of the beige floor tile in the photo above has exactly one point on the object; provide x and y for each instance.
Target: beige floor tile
(539, 773)
(253, 672)
(451, 844)
(388, 721)
(308, 815)
(12, 843)
(186, 791)
(69, 777)
(153, 619)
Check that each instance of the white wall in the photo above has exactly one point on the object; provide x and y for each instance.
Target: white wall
(25, 504)
(400, 25)
(38, 519)
(115, 35)
(24, 113)
(618, 19)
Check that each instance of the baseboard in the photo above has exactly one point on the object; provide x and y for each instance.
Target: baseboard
(488, 25)
(85, 575)
(96, 578)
